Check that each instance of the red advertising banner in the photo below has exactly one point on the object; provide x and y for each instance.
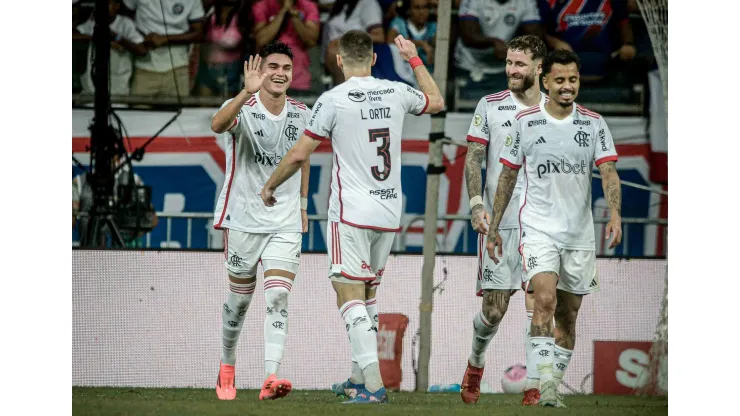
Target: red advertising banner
(621, 367)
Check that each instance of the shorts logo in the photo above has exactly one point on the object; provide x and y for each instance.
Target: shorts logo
(488, 275)
(532, 262)
(380, 272)
(235, 260)
(356, 96)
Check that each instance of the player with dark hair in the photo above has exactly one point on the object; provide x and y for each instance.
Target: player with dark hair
(488, 134)
(362, 118)
(263, 124)
(558, 143)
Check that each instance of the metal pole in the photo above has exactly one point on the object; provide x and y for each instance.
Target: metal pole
(434, 169)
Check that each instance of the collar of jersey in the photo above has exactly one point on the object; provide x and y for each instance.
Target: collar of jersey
(553, 119)
(267, 112)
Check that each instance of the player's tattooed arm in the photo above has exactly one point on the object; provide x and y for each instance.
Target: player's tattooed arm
(505, 188)
(473, 165)
(612, 188)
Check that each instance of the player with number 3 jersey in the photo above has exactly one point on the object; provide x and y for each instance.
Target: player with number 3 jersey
(362, 118)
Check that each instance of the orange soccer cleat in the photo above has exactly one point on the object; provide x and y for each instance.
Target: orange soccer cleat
(470, 387)
(531, 397)
(274, 388)
(225, 389)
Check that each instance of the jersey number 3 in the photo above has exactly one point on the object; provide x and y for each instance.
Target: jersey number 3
(384, 135)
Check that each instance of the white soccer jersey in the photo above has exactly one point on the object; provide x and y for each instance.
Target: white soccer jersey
(363, 118)
(558, 157)
(255, 145)
(176, 20)
(491, 125)
(496, 20)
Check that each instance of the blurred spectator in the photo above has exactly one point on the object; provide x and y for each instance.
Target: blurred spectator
(169, 28)
(485, 28)
(293, 22)
(413, 25)
(590, 30)
(349, 15)
(125, 41)
(226, 45)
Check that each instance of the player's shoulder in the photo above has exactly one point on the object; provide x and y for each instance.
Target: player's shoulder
(584, 112)
(528, 113)
(497, 97)
(295, 104)
(251, 102)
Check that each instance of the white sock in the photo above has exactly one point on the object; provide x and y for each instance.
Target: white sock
(372, 311)
(356, 376)
(232, 317)
(533, 376)
(560, 361)
(277, 290)
(542, 353)
(363, 341)
(483, 333)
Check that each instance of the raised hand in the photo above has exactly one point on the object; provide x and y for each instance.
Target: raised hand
(406, 48)
(252, 76)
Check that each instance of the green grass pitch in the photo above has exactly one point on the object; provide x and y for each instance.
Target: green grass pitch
(161, 402)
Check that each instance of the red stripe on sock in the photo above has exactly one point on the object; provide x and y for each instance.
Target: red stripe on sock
(350, 306)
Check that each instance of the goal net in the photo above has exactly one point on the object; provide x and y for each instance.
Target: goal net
(655, 15)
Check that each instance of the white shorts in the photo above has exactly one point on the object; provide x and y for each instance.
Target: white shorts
(244, 251)
(357, 255)
(507, 274)
(576, 269)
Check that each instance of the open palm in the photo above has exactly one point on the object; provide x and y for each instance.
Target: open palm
(253, 77)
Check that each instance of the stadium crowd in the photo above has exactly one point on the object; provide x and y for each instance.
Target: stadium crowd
(198, 47)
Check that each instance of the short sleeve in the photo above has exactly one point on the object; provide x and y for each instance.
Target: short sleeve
(479, 132)
(322, 119)
(371, 16)
(468, 10)
(259, 12)
(196, 13)
(87, 27)
(604, 149)
(238, 120)
(311, 10)
(131, 4)
(414, 101)
(512, 155)
(129, 31)
(531, 13)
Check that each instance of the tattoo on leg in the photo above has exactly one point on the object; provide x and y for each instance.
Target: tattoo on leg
(495, 304)
(566, 314)
(544, 330)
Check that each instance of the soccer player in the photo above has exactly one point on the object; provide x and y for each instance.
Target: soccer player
(487, 135)
(558, 144)
(362, 118)
(264, 124)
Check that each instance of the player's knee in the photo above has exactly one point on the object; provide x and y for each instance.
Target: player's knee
(277, 291)
(495, 304)
(545, 301)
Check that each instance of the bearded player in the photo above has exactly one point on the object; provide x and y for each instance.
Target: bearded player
(488, 134)
(263, 124)
(556, 146)
(363, 118)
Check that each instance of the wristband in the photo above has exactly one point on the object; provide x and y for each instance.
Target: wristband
(476, 200)
(415, 61)
(304, 203)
